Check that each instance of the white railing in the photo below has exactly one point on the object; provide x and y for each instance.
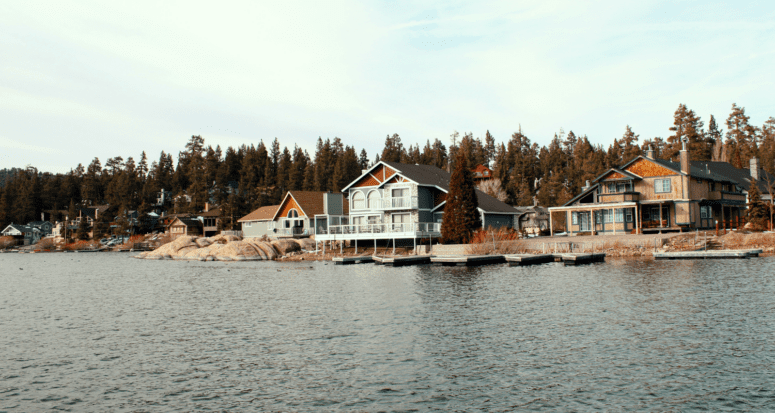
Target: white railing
(406, 202)
(421, 227)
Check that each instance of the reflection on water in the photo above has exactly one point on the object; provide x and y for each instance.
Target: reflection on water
(97, 332)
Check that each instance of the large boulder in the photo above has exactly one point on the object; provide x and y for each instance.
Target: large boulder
(284, 246)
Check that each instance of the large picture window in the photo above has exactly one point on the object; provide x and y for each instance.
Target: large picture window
(374, 199)
(706, 212)
(662, 186)
(359, 200)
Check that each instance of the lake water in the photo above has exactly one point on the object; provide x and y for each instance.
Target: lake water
(103, 332)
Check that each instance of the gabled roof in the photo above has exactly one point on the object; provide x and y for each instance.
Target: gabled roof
(310, 202)
(264, 213)
(740, 176)
(582, 194)
(694, 171)
(215, 212)
(187, 221)
(430, 175)
(90, 211)
(21, 228)
(626, 175)
(422, 174)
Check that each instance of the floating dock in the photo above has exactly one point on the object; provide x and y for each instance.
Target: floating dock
(363, 259)
(401, 260)
(468, 260)
(518, 260)
(578, 259)
(705, 255)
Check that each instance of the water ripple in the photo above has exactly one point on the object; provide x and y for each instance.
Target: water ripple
(102, 333)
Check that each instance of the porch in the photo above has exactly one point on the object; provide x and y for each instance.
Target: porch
(379, 231)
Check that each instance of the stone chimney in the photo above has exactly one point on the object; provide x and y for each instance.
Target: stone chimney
(755, 168)
(684, 155)
(650, 152)
(207, 206)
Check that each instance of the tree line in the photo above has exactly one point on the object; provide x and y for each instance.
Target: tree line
(242, 179)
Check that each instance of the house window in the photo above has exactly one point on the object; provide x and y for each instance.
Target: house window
(712, 186)
(247, 224)
(293, 213)
(575, 218)
(359, 200)
(374, 199)
(607, 216)
(706, 212)
(662, 186)
(619, 215)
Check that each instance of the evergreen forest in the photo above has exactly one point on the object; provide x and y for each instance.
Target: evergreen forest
(242, 179)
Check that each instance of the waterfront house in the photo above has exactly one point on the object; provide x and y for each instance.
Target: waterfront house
(185, 226)
(45, 227)
(300, 212)
(211, 219)
(22, 234)
(259, 222)
(651, 194)
(393, 200)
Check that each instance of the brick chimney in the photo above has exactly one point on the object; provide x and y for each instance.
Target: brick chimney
(754, 168)
(650, 152)
(684, 154)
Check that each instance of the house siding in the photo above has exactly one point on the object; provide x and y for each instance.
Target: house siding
(256, 229)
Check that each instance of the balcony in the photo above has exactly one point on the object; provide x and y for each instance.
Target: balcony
(618, 197)
(407, 202)
(380, 231)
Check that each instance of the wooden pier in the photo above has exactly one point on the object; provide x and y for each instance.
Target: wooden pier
(363, 259)
(468, 260)
(579, 259)
(705, 255)
(402, 260)
(518, 260)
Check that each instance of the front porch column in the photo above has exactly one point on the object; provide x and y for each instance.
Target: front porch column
(723, 220)
(551, 227)
(592, 218)
(613, 219)
(635, 212)
(660, 218)
(569, 220)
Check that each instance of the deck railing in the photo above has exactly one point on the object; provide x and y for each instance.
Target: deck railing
(406, 202)
(395, 228)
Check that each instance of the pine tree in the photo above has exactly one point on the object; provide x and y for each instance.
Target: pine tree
(461, 216)
(757, 210)
(394, 149)
(83, 229)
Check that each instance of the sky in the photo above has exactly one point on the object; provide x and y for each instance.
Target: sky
(80, 80)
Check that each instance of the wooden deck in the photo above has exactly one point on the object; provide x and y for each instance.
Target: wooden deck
(705, 255)
(518, 260)
(363, 259)
(402, 260)
(578, 259)
(468, 260)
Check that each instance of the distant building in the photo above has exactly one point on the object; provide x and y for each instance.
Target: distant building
(185, 226)
(23, 234)
(481, 173)
(259, 222)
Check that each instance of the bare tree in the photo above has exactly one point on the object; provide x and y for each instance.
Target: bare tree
(493, 188)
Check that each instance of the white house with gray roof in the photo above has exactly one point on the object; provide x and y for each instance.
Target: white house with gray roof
(394, 200)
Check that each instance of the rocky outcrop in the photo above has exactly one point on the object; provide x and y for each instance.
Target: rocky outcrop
(226, 248)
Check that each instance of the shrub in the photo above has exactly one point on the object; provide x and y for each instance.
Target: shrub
(45, 244)
(494, 241)
(6, 242)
